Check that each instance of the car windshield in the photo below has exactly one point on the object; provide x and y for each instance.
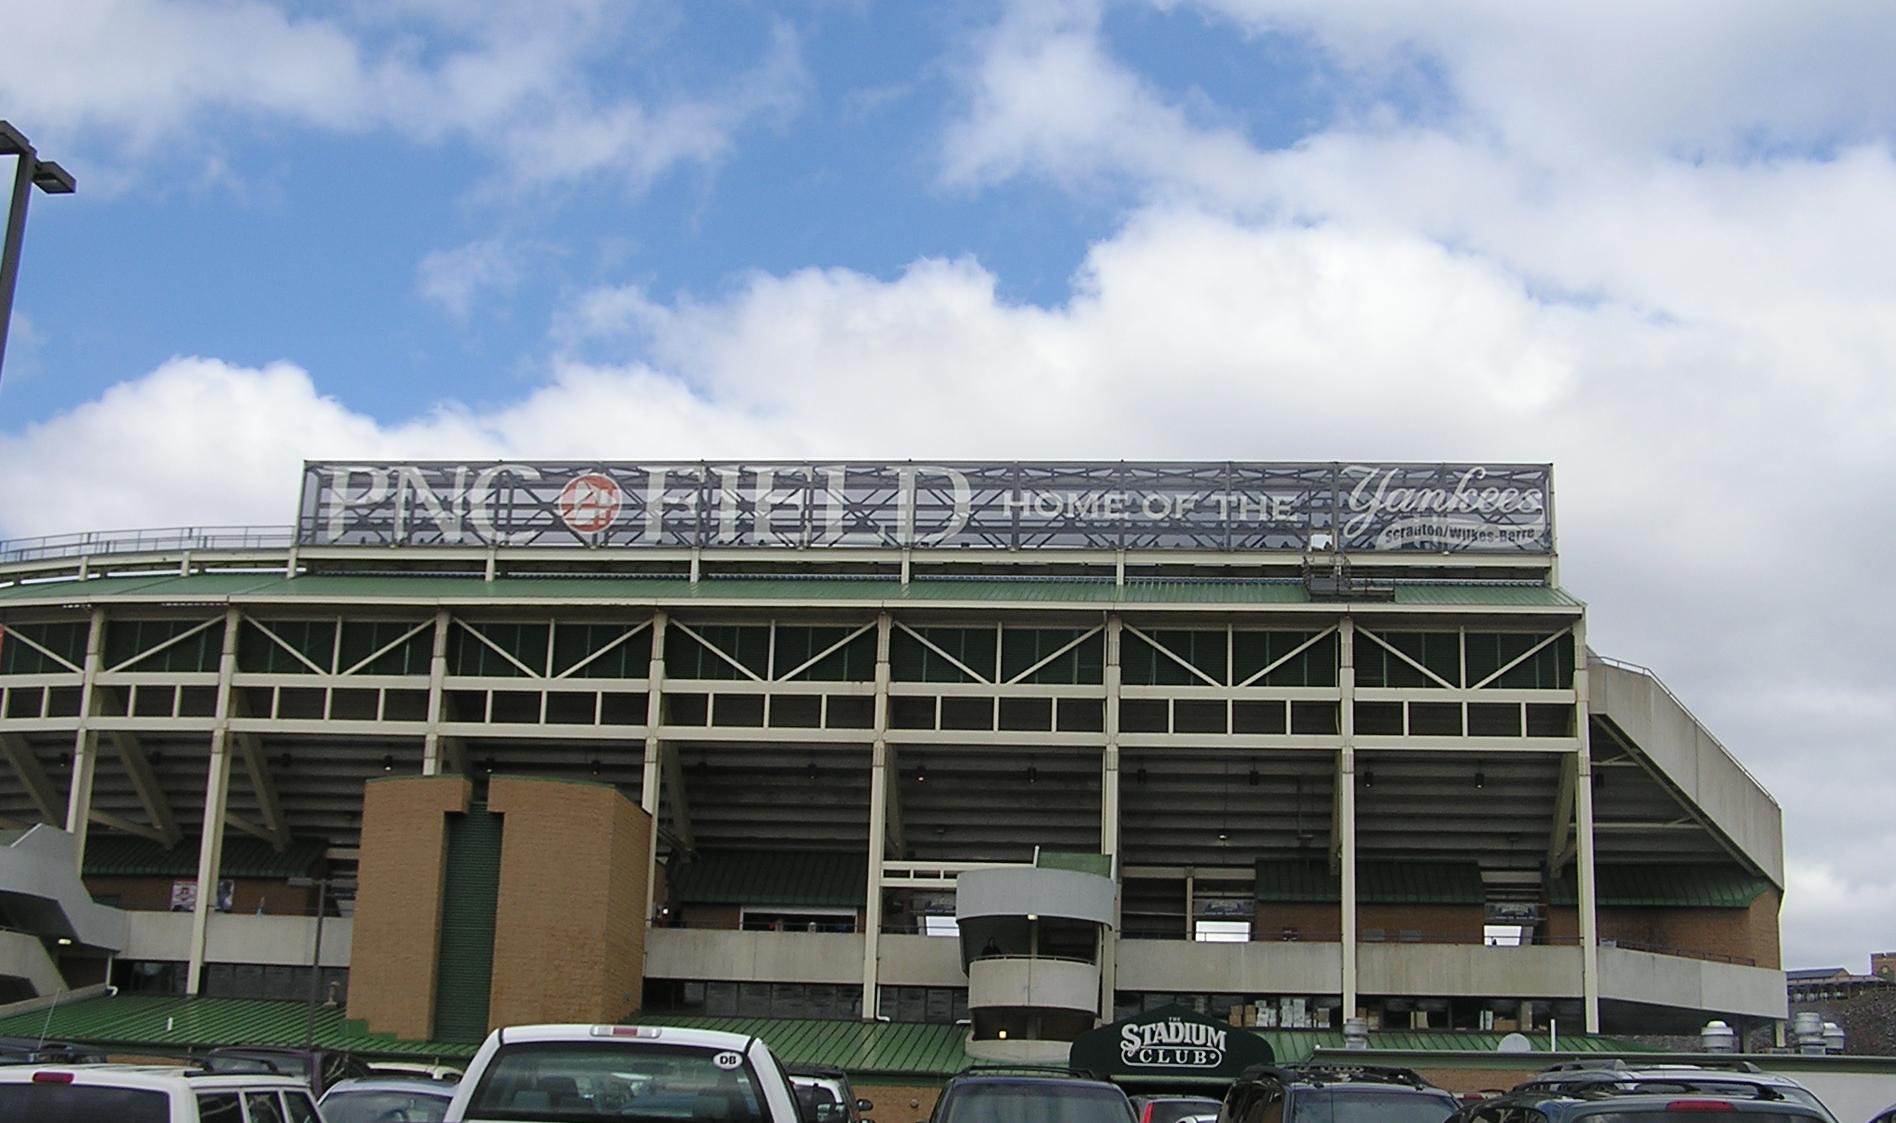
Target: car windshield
(832, 1103)
(1048, 1102)
(1371, 1107)
(383, 1105)
(582, 1080)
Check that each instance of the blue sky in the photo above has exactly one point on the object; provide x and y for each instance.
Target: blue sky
(1647, 243)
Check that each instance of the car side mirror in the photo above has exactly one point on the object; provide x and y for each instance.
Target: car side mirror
(865, 1105)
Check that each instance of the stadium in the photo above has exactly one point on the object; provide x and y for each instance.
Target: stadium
(1008, 749)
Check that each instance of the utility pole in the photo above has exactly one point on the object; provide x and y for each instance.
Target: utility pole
(29, 172)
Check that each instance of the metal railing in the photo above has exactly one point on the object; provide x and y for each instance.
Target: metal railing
(151, 540)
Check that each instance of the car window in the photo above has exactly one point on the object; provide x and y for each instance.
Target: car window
(263, 1107)
(219, 1107)
(379, 1105)
(582, 1080)
(301, 1110)
(1369, 1107)
(1050, 1102)
(79, 1103)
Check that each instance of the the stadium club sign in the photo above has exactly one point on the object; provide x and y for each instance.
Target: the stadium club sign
(1218, 506)
(1170, 1041)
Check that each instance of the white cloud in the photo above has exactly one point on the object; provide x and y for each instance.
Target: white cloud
(537, 85)
(453, 279)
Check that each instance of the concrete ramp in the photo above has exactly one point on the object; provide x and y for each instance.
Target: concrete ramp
(39, 881)
(24, 957)
(1691, 760)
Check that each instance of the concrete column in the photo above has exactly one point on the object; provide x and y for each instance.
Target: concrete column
(1346, 803)
(437, 674)
(216, 804)
(1583, 857)
(1109, 818)
(85, 744)
(881, 776)
(649, 788)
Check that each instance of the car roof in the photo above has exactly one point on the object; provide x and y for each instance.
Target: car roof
(1623, 1101)
(420, 1085)
(1032, 1078)
(627, 1034)
(152, 1076)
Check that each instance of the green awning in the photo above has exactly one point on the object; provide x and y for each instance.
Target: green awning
(115, 855)
(1099, 864)
(814, 878)
(1377, 883)
(1665, 885)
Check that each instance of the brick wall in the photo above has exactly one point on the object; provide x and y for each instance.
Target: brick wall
(569, 943)
(248, 894)
(398, 901)
(1742, 935)
(1324, 922)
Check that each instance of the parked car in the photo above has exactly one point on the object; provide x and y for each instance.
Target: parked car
(835, 1100)
(1664, 1099)
(1000, 1097)
(1334, 1094)
(1722, 1078)
(1887, 1115)
(318, 1068)
(31, 1050)
(526, 1074)
(387, 1099)
(422, 1069)
(150, 1094)
(1173, 1109)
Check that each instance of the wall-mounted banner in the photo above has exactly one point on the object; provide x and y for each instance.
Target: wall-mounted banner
(1170, 1042)
(1220, 506)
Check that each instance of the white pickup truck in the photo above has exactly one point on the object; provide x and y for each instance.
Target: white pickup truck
(587, 1073)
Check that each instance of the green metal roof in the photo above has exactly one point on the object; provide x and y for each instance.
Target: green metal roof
(1377, 883)
(884, 1048)
(1100, 864)
(432, 589)
(823, 878)
(114, 855)
(899, 1049)
(167, 1022)
(1677, 885)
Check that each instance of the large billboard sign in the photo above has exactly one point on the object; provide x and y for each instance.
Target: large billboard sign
(1219, 506)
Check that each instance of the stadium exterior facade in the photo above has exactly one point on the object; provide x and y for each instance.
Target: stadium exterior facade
(1032, 745)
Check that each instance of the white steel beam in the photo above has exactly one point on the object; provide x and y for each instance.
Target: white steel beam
(1346, 805)
(85, 745)
(1583, 806)
(882, 796)
(151, 794)
(216, 805)
(32, 774)
(431, 741)
(649, 785)
(1114, 677)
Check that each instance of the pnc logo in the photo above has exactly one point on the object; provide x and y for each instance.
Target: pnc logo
(589, 503)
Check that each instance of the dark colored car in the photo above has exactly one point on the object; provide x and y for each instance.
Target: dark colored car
(1171, 1109)
(1335, 1094)
(1673, 1099)
(1737, 1078)
(320, 1067)
(1007, 1098)
(833, 1098)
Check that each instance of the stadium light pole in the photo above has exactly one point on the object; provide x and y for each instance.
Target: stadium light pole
(29, 172)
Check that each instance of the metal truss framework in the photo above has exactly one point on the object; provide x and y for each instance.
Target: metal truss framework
(449, 681)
